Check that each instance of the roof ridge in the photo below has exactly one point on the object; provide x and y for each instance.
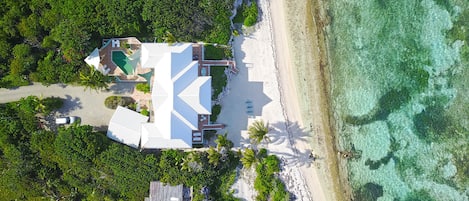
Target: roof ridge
(184, 120)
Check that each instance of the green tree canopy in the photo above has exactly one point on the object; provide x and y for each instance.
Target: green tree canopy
(76, 149)
(258, 131)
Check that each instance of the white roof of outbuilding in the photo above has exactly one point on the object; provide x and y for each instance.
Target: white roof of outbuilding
(93, 59)
(125, 126)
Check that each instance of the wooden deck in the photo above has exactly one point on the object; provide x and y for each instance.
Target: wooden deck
(230, 63)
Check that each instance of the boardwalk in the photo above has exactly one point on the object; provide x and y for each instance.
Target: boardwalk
(230, 63)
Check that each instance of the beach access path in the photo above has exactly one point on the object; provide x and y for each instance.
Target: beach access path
(86, 104)
(265, 89)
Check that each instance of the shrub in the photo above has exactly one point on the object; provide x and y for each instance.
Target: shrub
(112, 102)
(250, 14)
(52, 103)
(132, 106)
(143, 87)
(267, 184)
(216, 109)
(145, 112)
(250, 20)
(235, 32)
(272, 164)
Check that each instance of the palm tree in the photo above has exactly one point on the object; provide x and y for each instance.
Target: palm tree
(213, 156)
(94, 80)
(191, 162)
(223, 141)
(40, 106)
(258, 131)
(169, 38)
(249, 158)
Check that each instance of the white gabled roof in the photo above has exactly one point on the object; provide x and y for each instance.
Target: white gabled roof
(179, 95)
(195, 94)
(153, 52)
(93, 59)
(125, 126)
(152, 138)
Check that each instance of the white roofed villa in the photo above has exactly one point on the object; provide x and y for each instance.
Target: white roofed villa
(180, 95)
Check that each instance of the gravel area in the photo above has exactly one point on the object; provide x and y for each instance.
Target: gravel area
(88, 105)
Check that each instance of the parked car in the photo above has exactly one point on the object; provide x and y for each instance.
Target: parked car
(65, 120)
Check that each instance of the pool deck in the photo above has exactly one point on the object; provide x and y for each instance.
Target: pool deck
(105, 54)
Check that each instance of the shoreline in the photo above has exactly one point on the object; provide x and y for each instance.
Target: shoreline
(272, 84)
(311, 77)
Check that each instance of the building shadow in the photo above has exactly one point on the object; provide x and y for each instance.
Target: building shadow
(244, 99)
(102, 128)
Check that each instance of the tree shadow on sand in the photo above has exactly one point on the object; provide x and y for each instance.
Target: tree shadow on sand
(292, 133)
(70, 104)
(299, 159)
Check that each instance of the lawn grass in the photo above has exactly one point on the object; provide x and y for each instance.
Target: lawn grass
(214, 53)
(216, 109)
(219, 80)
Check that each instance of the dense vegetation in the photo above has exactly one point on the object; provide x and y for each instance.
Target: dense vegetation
(247, 13)
(250, 14)
(267, 184)
(77, 163)
(46, 41)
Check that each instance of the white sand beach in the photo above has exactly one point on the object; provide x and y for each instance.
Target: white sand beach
(267, 80)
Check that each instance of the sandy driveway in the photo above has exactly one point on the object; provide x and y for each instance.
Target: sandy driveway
(88, 105)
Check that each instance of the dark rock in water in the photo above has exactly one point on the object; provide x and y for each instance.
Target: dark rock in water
(420, 195)
(389, 102)
(431, 123)
(369, 192)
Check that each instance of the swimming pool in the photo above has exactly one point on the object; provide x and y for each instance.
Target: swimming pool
(121, 60)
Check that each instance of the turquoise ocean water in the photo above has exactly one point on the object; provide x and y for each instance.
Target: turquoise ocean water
(400, 96)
